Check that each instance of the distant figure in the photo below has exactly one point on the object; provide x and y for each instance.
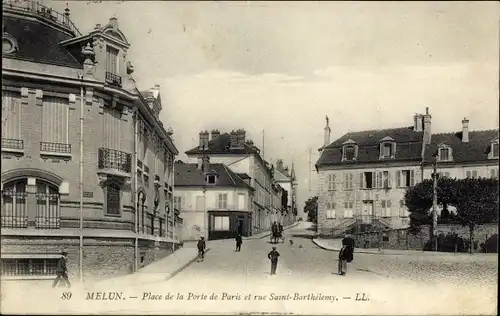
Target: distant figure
(291, 242)
(201, 248)
(273, 256)
(280, 232)
(346, 253)
(274, 233)
(239, 241)
(62, 271)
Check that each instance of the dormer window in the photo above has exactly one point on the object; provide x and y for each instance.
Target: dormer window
(444, 153)
(387, 148)
(494, 149)
(211, 177)
(349, 150)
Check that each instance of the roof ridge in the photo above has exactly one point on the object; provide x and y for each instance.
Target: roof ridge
(470, 131)
(379, 130)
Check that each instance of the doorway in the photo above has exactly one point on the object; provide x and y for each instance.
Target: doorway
(241, 221)
(367, 216)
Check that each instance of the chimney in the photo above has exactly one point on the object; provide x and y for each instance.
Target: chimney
(427, 126)
(203, 140)
(199, 163)
(233, 139)
(417, 122)
(215, 133)
(206, 163)
(327, 133)
(279, 165)
(465, 130)
(241, 138)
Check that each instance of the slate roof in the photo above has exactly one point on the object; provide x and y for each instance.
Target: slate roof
(279, 176)
(39, 43)
(188, 174)
(475, 150)
(243, 175)
(220, 145)
(408, 146)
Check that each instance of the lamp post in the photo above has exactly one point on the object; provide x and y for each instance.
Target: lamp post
(434, 202)
(81, 178)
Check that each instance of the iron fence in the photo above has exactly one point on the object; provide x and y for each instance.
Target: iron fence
(12, 143)
(14, 211)
(55, 147)
(29, 267)
(47, 211)
(115, 159)
(113, 79)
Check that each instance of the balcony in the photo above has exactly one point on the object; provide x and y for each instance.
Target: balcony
(12, 145)
(157, 181)
(146, 169)
(113, 79)
(55, 149)
(139, 164)
(112, 159)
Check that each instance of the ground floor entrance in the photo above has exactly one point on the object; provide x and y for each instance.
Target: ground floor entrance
(227, 224)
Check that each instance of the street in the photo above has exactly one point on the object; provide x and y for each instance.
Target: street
(306, 282)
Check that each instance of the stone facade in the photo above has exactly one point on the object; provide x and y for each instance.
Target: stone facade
(127, 157)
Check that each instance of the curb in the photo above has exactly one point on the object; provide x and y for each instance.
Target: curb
(173, 274)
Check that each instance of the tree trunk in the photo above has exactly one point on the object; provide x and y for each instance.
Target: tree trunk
(471, 238)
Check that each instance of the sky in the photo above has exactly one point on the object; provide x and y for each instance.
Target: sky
(280, 67)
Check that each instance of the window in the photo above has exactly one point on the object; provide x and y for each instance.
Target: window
(366, 180)
(348, 206)
(443, 174)
(241, 201)
(12, 119)
(211, 179)
(471, 174)
(55, 125)
(178, 203)
(161, 226)
(221, 223)
(330, 214)
(402, 209)
(494, 150)
(444, 154)
(29, 267)
(349, 153)
(331, 182)
(111, 60)
(494, 173)
(348, 181)
(14, 211)
(47, 205)
(386, 179)
(386, 208)
(405, 178)
(378, 179)
(113, 199)
(113, 131)
(387, 150)
(222, 201)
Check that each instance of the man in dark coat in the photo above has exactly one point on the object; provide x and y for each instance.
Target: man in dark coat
(274, 231)
(280, 231)
(239, 241)
(273, 256)
(201, 248)
(346, 253)
(62, 271)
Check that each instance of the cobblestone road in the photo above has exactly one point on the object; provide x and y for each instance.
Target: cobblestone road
(393, 284)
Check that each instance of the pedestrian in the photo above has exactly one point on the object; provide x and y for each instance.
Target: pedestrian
(239, 241)
(346, 254)
(62, 271)
(280, 232)
(201, 248)
(273, 256)
(274, 230)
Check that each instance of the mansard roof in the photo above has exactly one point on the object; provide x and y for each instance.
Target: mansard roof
(188, 175)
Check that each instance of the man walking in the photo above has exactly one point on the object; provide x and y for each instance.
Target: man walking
(280, 232)
(62, 271)
(274, 231)
(239, 241)
(346, 253)
(273, 256)
(201, 248)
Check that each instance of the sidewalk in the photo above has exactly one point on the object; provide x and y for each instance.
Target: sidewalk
(268, 233)
(336, 244)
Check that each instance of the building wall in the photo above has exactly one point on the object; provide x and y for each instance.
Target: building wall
(396, 216)
(460, 170)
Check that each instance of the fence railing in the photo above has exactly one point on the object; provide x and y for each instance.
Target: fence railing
(115, 159)
(12, 143)
(43, 12)
(55, 147)
(113, 79)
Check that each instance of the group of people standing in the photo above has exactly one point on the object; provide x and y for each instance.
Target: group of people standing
(277, 233)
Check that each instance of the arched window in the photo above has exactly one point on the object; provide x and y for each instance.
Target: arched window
(47, 205)
(14, 213)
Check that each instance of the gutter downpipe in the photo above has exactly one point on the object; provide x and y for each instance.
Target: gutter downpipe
(134, 196)
(81, 177)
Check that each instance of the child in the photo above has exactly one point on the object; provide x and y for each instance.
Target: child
(239, 241)
(273, 256)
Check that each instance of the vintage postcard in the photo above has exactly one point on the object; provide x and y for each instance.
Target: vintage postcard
(249, 157)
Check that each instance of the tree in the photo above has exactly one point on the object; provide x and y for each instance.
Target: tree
(311, 209)
(476, 201)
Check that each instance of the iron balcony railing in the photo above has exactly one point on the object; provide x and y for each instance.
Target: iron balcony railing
(43, 12)
(12, 143)
(146, 169)
(139, 164)
(113, 79)
(157, 178)
(115, 159)
(55, 147)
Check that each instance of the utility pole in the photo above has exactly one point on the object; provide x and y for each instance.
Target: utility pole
(434, 202)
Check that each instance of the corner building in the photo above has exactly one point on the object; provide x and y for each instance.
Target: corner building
(56, 80)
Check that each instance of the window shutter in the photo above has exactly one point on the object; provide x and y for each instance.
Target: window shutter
(398, 178)
(388, 179)
(376, 180)
(380, 178)
(383, 203)
(361, 180)
(334, 178)
(412, 177)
